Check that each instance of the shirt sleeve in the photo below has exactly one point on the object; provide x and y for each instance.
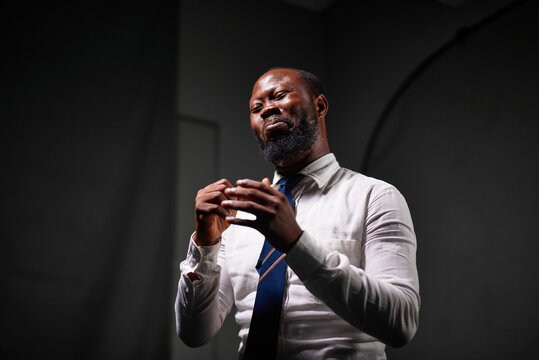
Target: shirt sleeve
(202, 305)
(382, 297)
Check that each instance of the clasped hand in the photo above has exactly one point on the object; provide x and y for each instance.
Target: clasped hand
(217, 204)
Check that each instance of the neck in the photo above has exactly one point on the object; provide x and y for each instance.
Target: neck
(286, 169)
(293, 166)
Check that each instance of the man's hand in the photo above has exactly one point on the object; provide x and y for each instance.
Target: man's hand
(275, 218)
(210, 215)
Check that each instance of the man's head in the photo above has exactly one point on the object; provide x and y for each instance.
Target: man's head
(288, 110)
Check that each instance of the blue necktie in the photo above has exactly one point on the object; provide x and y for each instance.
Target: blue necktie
(264, 329)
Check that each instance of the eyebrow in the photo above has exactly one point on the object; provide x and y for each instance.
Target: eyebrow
(268, 91)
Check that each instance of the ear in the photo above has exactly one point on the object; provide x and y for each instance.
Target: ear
(321, 104)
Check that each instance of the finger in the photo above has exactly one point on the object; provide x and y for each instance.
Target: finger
(247, 206)
(239, 193)
(220, 186)
(248, 183)
(223, 183)
(214, 197)
(212, 209)
(266, 181)
(215, 187)
(241, 222)
(210, 203)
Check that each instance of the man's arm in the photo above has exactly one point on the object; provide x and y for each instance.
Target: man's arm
(382, 299)
(205, 294)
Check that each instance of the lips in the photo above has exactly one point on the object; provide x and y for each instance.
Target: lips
(276, 125)
(279, 125)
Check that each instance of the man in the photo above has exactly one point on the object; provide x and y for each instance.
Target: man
(345, 243)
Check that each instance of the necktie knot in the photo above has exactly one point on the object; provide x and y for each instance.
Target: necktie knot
(287, 183)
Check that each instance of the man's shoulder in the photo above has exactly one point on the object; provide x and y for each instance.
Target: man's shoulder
(366, 189)
(359, 181)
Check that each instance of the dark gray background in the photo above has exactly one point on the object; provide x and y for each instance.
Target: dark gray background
(96, 155)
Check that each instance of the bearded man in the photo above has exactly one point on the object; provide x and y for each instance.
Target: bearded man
(320, 263)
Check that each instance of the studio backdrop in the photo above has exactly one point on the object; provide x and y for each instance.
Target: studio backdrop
(88, 143)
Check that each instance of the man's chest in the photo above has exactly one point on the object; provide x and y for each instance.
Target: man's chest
(336, 224)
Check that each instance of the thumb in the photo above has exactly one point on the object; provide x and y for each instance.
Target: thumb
(266, 181)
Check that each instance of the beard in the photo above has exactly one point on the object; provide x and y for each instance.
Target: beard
(292, 145)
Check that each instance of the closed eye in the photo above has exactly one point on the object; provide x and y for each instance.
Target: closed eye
(255, 109)
(280, 95)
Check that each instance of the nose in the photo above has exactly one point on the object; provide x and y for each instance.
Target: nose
(269, 109)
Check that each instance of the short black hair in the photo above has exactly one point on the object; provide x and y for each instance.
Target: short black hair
(315, 85)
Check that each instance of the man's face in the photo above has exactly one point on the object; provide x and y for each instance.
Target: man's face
(283, 116)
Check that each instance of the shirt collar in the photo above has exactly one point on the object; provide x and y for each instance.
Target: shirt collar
(321, 170)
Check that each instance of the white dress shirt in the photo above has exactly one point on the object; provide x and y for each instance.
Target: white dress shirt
(352, 282)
